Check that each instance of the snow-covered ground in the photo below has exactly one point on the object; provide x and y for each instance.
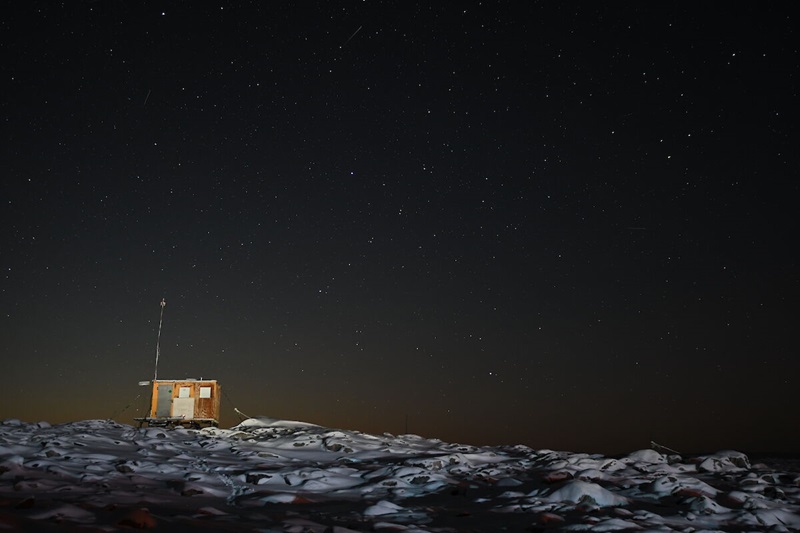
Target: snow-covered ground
(274, 475)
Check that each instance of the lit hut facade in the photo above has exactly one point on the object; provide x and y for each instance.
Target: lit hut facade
(184, 402)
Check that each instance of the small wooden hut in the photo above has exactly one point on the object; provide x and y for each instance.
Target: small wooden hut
(184, 402)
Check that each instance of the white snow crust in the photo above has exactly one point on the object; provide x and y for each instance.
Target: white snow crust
(269, 474)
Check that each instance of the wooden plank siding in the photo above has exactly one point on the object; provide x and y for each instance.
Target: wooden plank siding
(204, 408)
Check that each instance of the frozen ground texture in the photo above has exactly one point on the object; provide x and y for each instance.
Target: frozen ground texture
(273, 475)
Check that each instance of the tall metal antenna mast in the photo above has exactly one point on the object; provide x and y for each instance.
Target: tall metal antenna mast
(158, 340)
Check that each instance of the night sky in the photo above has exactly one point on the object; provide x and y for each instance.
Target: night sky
(564, 225)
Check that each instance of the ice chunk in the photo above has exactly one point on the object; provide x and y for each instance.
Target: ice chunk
(645, 456)
(727, 461)
(383, 507)
(583, 492)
